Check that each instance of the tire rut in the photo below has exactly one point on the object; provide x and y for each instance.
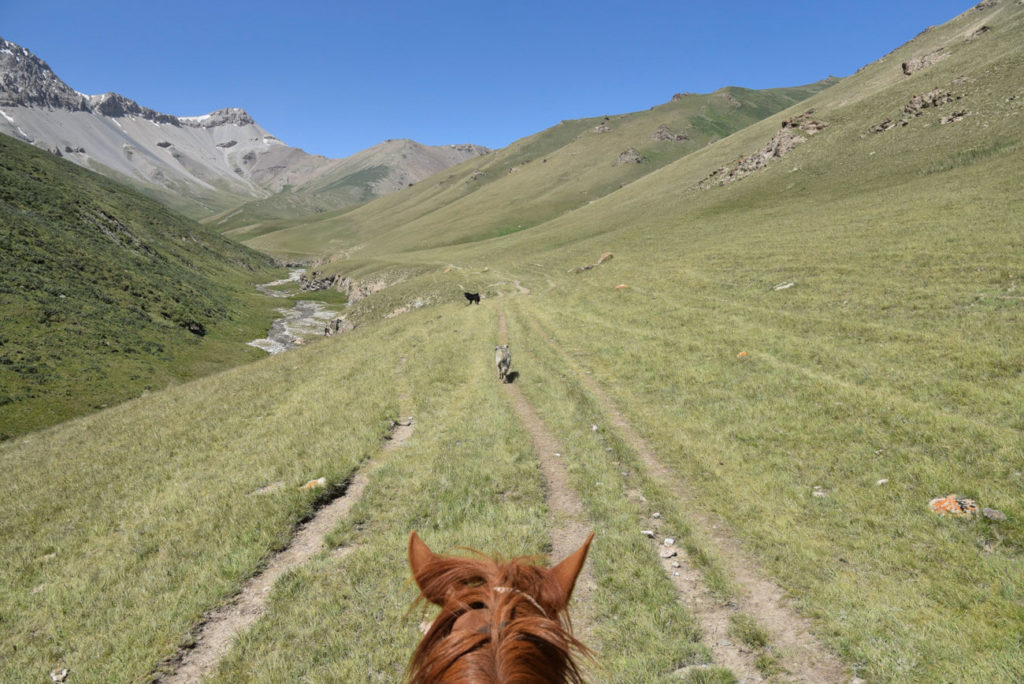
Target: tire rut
(571, 527)
(804, 657)
(217, 631)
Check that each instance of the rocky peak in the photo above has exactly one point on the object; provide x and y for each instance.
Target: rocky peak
(221, 117)
(27, 81)
(115, 105)
(470, 149)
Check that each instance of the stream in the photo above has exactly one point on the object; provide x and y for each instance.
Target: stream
(302, 321)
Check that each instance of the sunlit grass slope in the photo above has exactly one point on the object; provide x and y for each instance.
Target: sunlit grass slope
(98, 288)
(165, 504)
(120, 529)
(889, 372)
(533, 180)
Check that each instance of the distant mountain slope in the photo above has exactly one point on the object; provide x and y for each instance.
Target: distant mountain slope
(104, 292)
(200, 165)
(534, 179)
(374, 172)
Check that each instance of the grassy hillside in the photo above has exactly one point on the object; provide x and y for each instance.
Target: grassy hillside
(813, 351)
(530, 182)
(106, 293)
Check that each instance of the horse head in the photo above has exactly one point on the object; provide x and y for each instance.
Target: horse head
(500, 621)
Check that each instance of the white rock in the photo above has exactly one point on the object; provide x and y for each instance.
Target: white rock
(647, 533)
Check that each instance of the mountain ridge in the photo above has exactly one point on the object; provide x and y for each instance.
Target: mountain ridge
(200, 165)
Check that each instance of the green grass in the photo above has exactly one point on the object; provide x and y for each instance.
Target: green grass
(920, 388)
(745, 628)
(896, 356)
(99, 284)
(114, 547)
(456, 488)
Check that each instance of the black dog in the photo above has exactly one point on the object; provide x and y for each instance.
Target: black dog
(473, 297)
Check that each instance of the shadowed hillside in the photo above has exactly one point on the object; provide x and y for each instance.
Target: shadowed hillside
(106, 293)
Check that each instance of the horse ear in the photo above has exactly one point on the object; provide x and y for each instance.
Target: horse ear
(564, 574)
(420, 556)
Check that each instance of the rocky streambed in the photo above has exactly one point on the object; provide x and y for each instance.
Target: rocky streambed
(293, 277)
(296, 324)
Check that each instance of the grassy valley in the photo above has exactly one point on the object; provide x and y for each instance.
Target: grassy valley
(530, 182)
(789, 354)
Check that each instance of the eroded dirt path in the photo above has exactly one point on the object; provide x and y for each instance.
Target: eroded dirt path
(571, 527)
(218, 630)
(804, 657)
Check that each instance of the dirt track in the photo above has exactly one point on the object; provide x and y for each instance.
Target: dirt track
(804, 658)
(801, 654)
(218, 630)
(570, 528)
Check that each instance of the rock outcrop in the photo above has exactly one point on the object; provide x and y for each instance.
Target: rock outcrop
(912, 66)
(630, 156)
(230, 115)
(353, 289)
(27, 81)
(117, 106)
(917, 106)
(666, 134)
(936, 98)
(788, 137)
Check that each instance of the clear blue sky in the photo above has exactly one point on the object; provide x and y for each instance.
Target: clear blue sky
(337, 77)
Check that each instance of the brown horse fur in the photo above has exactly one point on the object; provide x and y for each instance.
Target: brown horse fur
(500, 621)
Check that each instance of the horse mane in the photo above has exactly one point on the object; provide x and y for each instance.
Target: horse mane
(523, 635)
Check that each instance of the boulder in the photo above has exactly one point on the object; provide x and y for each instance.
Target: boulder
(630, 156)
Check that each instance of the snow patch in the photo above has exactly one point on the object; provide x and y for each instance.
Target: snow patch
(5, 114)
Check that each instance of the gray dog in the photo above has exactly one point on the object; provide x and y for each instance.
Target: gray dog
(503, 359)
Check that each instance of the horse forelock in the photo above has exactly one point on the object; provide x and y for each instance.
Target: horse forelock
(525, 637)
